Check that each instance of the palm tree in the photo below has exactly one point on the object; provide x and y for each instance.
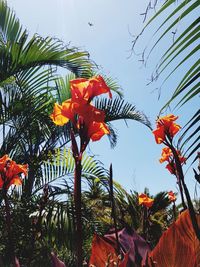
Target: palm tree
(179, 19)
(28, 133)
(29, 86)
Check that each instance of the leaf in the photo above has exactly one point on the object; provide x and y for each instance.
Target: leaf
(56, 262)
(132, 243)
(178, 246)
(19, 51)
(118, 108)
(17, 264)
(102, 251)
(133, 248)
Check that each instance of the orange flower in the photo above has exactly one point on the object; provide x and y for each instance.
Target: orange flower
(80, 112)
(10, 172)
(166, 126)
(166, 120)
(166, 154)
(86, 89)
(159, 134)
(171, 196)
(145, 200)
(63, 113)
(96, 130)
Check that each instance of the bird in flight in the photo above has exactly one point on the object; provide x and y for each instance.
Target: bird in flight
(90, 24)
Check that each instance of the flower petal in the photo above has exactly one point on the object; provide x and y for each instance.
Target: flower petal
(145, 200)
(173, 129)
(85, 90)
(96, 130)
(166, 154)
(159, 134)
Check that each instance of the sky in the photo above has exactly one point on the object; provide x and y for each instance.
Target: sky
(109, 41)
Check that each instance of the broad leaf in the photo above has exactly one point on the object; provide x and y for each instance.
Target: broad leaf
(178, 246)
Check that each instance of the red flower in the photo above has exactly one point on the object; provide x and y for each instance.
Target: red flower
(86, 90)
(166, 127)
(96, 130)
(171, 196)
(171, 167)
(89, 117)
(10, 172)
(168, 156)
(145, 200)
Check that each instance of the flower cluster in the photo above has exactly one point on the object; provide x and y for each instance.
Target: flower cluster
(171, 196)
(168, 156)
(10, 172)
(166, 127)
(145, 200)
(86, 118)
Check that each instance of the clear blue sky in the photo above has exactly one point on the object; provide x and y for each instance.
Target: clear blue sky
(135, 158)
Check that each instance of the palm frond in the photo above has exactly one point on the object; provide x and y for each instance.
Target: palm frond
(191, 139)
(19, 52)
(118, 108)
(60, 165)
(183, 52)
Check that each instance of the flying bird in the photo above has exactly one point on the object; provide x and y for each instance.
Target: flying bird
(90, 24)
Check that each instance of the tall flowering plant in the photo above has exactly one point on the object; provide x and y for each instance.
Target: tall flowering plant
(10, 174)
(166, 129)
(146, 202)
(88, 122)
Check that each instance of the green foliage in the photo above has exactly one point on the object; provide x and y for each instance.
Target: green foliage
(180, 18)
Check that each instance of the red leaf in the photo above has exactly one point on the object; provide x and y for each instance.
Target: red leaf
(102, 252)
(178, 246)
(133, 248)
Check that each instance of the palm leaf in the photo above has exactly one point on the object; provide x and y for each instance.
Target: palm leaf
(183, 52)
(61, 165)
(19, 52)
(117, 108)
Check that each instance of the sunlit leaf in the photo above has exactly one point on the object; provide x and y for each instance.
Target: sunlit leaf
(178, 246)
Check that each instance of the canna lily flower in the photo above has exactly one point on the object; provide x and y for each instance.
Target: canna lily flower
(62, 114)
(80, 112)
(171, 167)
(10, 172)
(166, 154)
(166, 127)
(96, 130)
(145, 200)
(171, 196)
(86, 89)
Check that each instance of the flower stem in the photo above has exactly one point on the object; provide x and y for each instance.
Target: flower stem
(187, 194)
(8, 224)
(144, 227)
(113, 209)
(77, 201)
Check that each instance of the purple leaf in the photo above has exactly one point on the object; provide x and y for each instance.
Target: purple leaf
(56, 262)
(132, 243)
